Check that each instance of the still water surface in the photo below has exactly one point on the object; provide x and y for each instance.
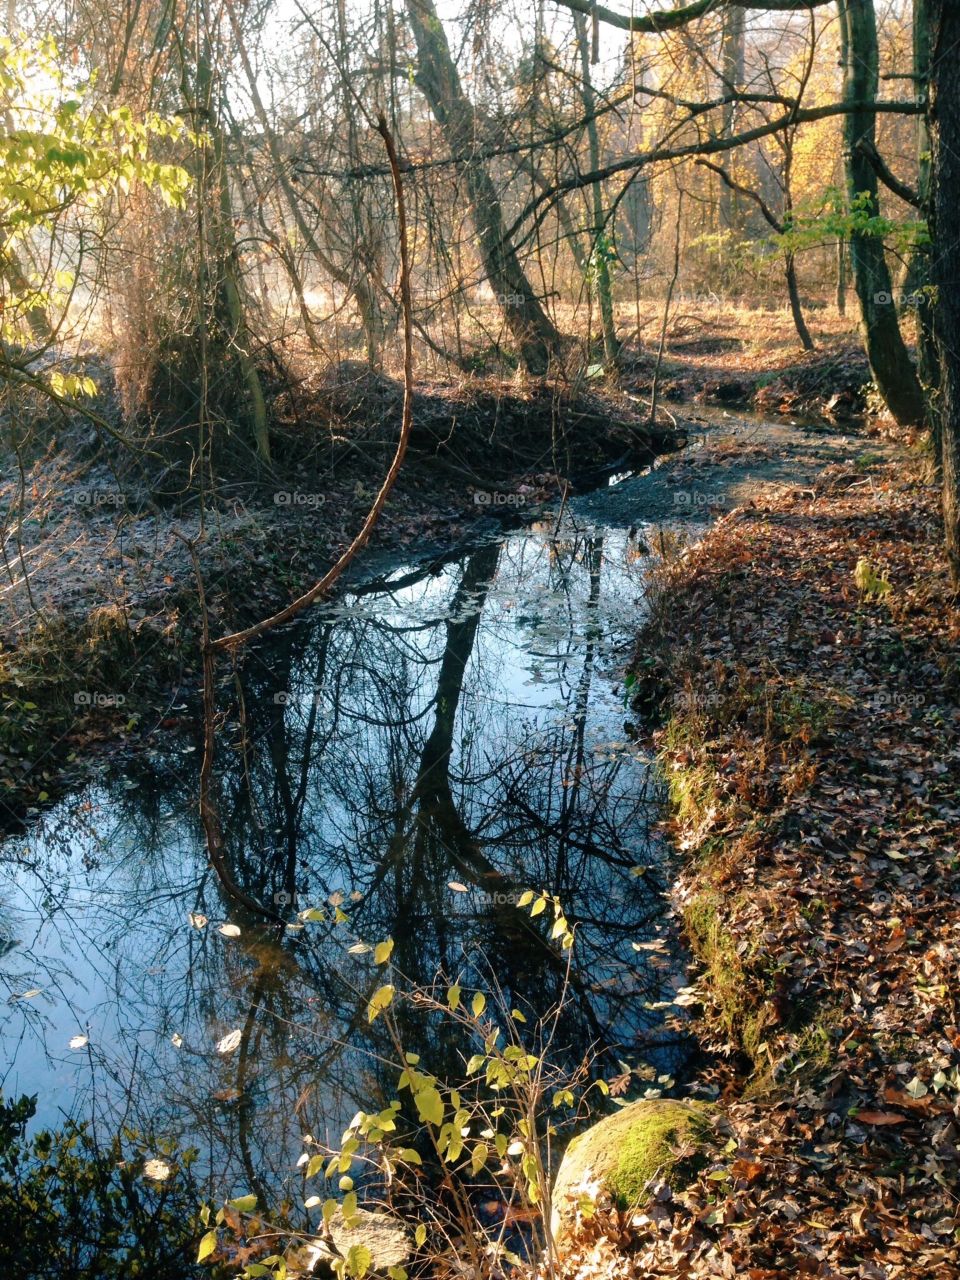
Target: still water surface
(417, 754)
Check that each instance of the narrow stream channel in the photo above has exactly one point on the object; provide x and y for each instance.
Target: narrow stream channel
(418, 753)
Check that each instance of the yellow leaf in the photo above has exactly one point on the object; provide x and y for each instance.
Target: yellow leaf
(379, 1001)
(207, 1245)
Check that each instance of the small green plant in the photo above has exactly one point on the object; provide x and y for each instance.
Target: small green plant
(870, 581)
(493, 1130)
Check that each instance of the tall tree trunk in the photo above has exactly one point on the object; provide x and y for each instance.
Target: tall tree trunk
(929, 359)
(439, 81)
(890, 362)
(599, 258)
(945, 266)
(731, 70)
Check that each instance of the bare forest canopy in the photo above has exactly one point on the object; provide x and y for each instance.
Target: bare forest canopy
(197, 207)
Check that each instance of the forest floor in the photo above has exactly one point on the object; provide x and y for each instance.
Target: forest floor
(804, 658)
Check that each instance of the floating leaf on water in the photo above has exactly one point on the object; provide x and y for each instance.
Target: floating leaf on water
(156, 1170)
(457, 887)
(197, 919)
(230, 1042)
(359, 949)
(78, 1042)
(176, 1040)
(29, 995)
(230, 930)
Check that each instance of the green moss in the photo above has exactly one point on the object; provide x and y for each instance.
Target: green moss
(655, 1139)
(739, 991)
(657, 1146)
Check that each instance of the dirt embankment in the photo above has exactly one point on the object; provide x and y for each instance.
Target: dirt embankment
(805, 659)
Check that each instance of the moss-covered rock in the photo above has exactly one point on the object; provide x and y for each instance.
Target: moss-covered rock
(650, 1141)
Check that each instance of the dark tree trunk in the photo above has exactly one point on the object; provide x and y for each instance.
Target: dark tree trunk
(920, 282)
(796, 308)
(841, 294)
(890, 362)
(439, 81)
(944, 119)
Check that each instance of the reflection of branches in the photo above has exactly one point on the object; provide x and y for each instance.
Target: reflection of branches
(410, 748)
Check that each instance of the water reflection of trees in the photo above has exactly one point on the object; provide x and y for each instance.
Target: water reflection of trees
(380, 754)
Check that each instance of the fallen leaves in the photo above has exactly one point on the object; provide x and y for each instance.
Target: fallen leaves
(823, 727)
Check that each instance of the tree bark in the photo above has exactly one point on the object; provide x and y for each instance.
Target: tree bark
(945, 184)
(796, 307)
(599, 258)
(928, 355)
(890, 363)
(732, 64)
(437, 77)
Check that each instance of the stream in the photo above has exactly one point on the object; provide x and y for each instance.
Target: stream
(410, 758)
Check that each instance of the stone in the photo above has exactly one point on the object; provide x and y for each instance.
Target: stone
(386, 1238)
(626, 1154)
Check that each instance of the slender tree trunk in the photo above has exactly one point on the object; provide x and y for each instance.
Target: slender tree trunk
(796, 309)
(945, 265)
(841, 294)
(530, 326)
(890, 362)
(600, 260)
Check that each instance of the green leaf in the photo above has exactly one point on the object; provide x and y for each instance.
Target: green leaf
(430, 1105)
(410, 1156)
(207, 1245)
(420, 1235)
(359, 1259)
(379, 1001)
(244, 1204)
